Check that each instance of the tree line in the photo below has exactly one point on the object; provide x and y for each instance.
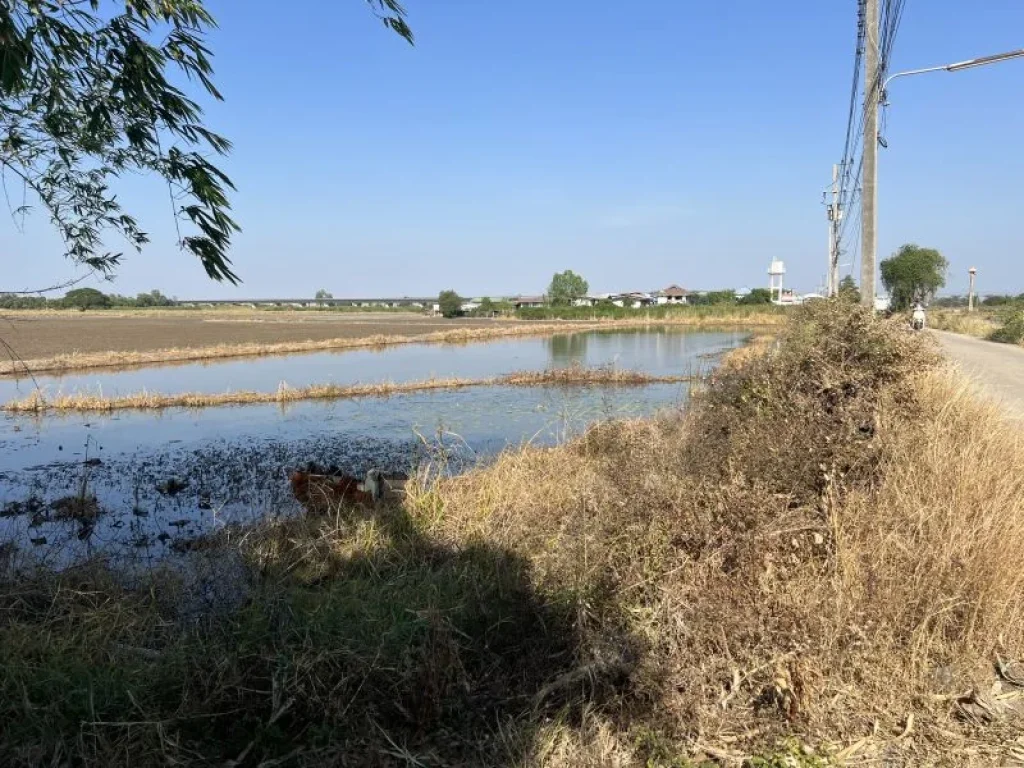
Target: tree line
(86, 298)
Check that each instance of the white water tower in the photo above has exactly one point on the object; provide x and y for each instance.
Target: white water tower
(776, 272)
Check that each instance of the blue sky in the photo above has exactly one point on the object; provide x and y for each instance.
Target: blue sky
(637, 144)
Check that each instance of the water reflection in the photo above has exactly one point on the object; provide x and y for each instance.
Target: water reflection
(659, 351)
(568, 349)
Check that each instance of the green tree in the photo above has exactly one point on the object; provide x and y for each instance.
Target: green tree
(153, 299)
(486, 307)
(88, 93)
(848, 290)
(757, 296)
(913, 274)
(566, 287)
(450, 303)
(16, 301)
(722, 297)
(997, 301)
(86, 298)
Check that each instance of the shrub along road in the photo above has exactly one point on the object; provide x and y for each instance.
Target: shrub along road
(998, 369)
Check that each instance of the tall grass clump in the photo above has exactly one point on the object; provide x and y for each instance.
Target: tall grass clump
(823, 551)
(979, 324)
(1011, 331)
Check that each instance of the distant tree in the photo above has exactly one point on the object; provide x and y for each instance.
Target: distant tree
(913, 274)
(450, 303)
(153, 299)
(17, 301)
(566, 287)
(323, 294)
(86, 298)
(757, 296)
(997, 301)
(722, 297)
(486, 307)
(950, 301)
(848, 290)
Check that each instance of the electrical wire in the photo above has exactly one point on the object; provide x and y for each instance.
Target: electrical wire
(890, 18)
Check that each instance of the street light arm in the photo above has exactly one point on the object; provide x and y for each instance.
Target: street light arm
(909, 72)
(957, 66)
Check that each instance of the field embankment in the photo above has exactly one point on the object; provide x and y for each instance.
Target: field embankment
(819, 562)
(1005, 325)
(571, 376)
(41, 344)
(709, 314)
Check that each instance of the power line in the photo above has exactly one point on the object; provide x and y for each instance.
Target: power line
(853, 162)
(851, 138)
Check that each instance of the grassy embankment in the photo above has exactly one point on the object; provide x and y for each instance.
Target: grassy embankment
(1004, 325)
(824, 552)
(697, 314)
(37, 402)
(680, 317)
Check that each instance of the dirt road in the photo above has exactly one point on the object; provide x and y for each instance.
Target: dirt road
(997, 369)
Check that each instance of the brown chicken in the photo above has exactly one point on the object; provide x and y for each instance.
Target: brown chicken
(321, 492)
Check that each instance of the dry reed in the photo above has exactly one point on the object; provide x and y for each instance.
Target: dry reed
(977, 324)
(37, 402)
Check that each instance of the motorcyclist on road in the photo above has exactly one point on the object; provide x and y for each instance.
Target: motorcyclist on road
(917, 318)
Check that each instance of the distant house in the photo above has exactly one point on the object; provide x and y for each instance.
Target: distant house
(787, 298)
(528, 302)
(471, 304)
(632, 299)
(585, 301)
(672, 295)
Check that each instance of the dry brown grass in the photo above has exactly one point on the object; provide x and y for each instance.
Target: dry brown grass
(833, 584)
(977, 324)
(37, 402)
(827, 547)
(126, 358)
(760, 344)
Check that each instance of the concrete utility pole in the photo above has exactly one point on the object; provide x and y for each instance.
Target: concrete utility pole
(869, 194)
(835, 217)
(970, 294)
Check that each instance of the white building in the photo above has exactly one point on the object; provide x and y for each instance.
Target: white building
(672, 295)
(527, 302)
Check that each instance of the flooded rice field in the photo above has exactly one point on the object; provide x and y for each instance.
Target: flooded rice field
(662, 352)
(154, 481)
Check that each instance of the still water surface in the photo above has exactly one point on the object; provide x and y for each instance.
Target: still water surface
(234, 461)
(658, 352)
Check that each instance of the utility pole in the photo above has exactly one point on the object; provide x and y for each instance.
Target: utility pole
(970, 294)
(835, 217)
(869, 194)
